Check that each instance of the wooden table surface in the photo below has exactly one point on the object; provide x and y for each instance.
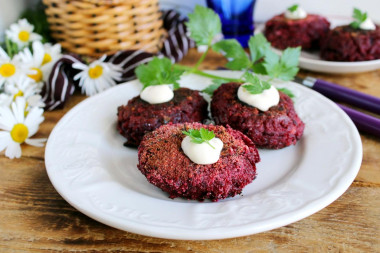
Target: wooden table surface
(35, 218)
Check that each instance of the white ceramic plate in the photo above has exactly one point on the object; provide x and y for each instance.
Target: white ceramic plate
(92, 170)
(312, 61)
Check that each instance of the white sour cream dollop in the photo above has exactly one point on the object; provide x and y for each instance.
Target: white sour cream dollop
(202, 153)
(262, 101)
(299, 13)
(367, 25)
(157, 94)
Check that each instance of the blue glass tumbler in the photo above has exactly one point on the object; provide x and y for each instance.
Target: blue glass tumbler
(236, 17)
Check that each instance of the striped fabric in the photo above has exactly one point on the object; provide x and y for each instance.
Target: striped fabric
(61, 85)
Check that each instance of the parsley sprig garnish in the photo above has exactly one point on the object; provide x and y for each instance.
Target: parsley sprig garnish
(359, 18)
(254, 84)
(203, 25)
(293, 8)
(200, 136)
(158, 71)
(263, 59)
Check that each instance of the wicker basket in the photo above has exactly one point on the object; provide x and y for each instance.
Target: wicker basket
(94, 28)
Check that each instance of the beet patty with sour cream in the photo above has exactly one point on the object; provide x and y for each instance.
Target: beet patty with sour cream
(307, 32)
(166, 166)
(276, 128)
(139, 117)
(345, 43)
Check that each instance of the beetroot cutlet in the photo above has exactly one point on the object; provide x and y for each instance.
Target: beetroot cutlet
(307, 32)
(345, 43)
(165, 165)
(273, 129)
(139, 117)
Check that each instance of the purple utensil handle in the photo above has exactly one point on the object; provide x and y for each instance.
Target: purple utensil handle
(363, 121)
(342, 94)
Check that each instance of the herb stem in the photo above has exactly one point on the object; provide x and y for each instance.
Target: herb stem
(202, 73)
(201, 59)
(210, 144)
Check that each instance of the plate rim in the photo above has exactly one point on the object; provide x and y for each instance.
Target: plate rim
(244, 230)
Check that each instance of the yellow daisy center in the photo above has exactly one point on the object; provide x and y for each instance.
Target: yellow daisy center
(47, 58)
(19, 133)
(18, 94)
(7, 69)
(24, 36)
(38, 76)
(95, 72)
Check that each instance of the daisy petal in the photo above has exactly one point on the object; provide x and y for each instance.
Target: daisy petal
(79, 65)
(5, 139)
(18, 109)
(13, 150)
(38, 51)
(33, 120)
(7, 119)
(36, 142)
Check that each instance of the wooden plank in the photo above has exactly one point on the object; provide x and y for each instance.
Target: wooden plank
(34, 218)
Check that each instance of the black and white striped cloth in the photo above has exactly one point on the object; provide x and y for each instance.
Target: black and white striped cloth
(60, 85)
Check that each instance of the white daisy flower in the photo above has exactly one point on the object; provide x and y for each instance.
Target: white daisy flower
(97, 76)
(22, 33)
(10, 69)
(24, 87)
(52, 53)
(18, 128)
(34, 62)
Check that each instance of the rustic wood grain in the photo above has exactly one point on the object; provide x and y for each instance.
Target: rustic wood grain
(34, 218)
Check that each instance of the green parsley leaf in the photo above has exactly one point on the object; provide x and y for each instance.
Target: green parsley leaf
(287, 92)
(204, 24)
(234, 52)
(200, 136)
(215, 85)
(206, 134)
(158, 71)
(359, 17)
(255, 85)
(284, 67)
(293, 8)
(258, 46)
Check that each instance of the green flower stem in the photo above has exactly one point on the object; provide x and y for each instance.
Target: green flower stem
(9, 48)
(201, 73)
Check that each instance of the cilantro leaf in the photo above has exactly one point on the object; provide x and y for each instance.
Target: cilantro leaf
(286, 91)
(284, 67)
(158, 71)
(234, 52)
(293, 8)
(258, 46)
(255, 85)
(200, 136)
(215, 85)
(204, 24)
(359, 17)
